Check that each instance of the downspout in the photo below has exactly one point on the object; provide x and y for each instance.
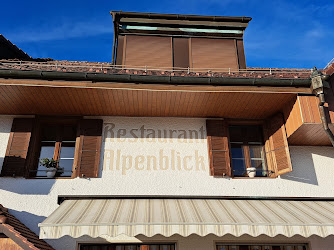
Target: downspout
(319, 83)
(115, 21)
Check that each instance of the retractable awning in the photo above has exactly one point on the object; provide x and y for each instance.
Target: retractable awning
(113, 217)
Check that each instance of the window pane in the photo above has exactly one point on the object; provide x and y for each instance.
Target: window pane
(236, 134)
(154, 247)
(67, 150)
(254, 134)
(49, 132)
(237, 151)
(67, 165)
(66, 158)
(256, 151)
(260, 168)
(47, 151)
(239, 167)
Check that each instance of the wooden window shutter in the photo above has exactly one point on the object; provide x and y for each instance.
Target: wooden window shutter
(17, 149)
(120, 48)
(217, 136)
(213, 54)
(151, 51)
(88, 158)
(180, 53)
(276, 145)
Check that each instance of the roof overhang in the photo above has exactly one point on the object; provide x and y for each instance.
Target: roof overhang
(149, 217)
(183, 25)
(116, 98)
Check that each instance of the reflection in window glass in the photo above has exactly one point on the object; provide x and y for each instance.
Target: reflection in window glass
(66, 157)
(239, 168)
(47, 151)
(236, 151)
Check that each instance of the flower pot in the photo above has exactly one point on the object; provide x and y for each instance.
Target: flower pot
(251, 172)
(51, 172)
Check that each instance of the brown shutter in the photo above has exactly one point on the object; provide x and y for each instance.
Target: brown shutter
(241, 54)
(17, 149)
(181, 52)
(89, 148)
(217, 136)
(276, 145)
(150, 51)
(119, 53)
(212, 54)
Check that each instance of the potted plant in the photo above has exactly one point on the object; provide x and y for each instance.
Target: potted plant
(251, 172)
(51, 167)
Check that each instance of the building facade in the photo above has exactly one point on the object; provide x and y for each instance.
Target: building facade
(176, 144)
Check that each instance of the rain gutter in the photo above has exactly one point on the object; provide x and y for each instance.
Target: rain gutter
(154, 79)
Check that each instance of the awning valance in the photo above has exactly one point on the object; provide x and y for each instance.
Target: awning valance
(149, 217)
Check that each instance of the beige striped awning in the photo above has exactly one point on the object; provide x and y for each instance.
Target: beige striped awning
(113, 217)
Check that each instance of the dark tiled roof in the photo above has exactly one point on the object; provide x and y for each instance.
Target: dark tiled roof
(9, 50)
(108, 68)
(19, 233)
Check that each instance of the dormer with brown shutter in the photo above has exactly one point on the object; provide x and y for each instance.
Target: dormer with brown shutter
(179, 42)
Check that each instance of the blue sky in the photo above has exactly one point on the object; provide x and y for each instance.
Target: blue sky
(284, 34)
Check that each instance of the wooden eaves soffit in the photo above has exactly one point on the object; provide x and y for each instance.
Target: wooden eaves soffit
(78, 88)
(171, 41)
(305, 120)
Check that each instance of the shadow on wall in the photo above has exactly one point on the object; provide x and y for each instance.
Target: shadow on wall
(304, 164)
(21, 185)
(28, 219)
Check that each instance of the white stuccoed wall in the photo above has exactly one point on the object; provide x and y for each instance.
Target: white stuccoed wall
(32, 200)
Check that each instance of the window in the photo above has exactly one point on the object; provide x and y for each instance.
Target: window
(261, 247)
(74, 142)
(247, 150)
(127, 246)
(235, 146)
(57, 141)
